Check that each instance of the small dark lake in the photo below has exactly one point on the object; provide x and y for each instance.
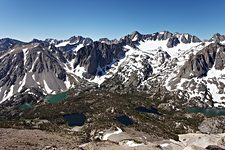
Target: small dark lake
(211, 112)
(125, 120)
(76, 119)
(146, 110)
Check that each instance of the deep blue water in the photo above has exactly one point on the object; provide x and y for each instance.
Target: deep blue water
(76, 119)
(125, 120)
(146, 110)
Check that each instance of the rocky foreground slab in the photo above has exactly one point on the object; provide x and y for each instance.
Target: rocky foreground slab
(37, 139)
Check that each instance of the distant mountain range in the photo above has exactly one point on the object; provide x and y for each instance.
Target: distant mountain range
(165, 62)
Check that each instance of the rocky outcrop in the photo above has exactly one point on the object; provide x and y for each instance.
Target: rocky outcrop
(98, 55)
(158, 36)
(199, 64)
(7, 43)
(187, 38)
(107, 41)
(172, 42)
(217, 38)
(212, 125)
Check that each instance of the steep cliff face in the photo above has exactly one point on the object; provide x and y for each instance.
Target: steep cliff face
(198, 65)
(98, 57)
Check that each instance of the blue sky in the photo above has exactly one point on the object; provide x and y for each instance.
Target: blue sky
(61, 19)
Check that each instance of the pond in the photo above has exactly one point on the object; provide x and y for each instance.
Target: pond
(75, 119)
(52, 99)
(211, 112)
(25, 106)
(125, 120)
(146, 110)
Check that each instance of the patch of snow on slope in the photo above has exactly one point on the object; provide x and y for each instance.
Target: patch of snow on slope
(150, 46)
(22, 83)
(33, 77)
(8, 52)
(79, 71)
(214, 73)
(25, 51)
(78, 47)
(223, 42)
(62, 44)
(133, 144)
(8, 94)
(164, 145)
(135, 38)
(107, 135)
(67, 83)
(33, 65)
(218, 75)
(214, 91)
(46, 87)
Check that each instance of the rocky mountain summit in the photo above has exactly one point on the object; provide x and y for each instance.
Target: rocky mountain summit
(164, 62)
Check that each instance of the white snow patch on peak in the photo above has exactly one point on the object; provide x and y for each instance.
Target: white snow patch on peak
(78, 47)
(64, 43)
(162, 32)
(135, 38)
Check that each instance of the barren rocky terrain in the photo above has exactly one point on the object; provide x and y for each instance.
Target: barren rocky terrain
(11, 139)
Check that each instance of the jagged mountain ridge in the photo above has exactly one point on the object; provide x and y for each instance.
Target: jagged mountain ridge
(135, 61)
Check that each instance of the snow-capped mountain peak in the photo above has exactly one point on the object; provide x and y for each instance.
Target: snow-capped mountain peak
(177, 62)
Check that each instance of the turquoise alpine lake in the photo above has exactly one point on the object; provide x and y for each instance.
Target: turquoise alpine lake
(211, 112)
(25, 106)
(52, 99)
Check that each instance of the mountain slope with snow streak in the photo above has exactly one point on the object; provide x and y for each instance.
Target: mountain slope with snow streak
(179, 63)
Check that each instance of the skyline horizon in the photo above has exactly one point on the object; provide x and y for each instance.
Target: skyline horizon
(117, 38)
(28, 19)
